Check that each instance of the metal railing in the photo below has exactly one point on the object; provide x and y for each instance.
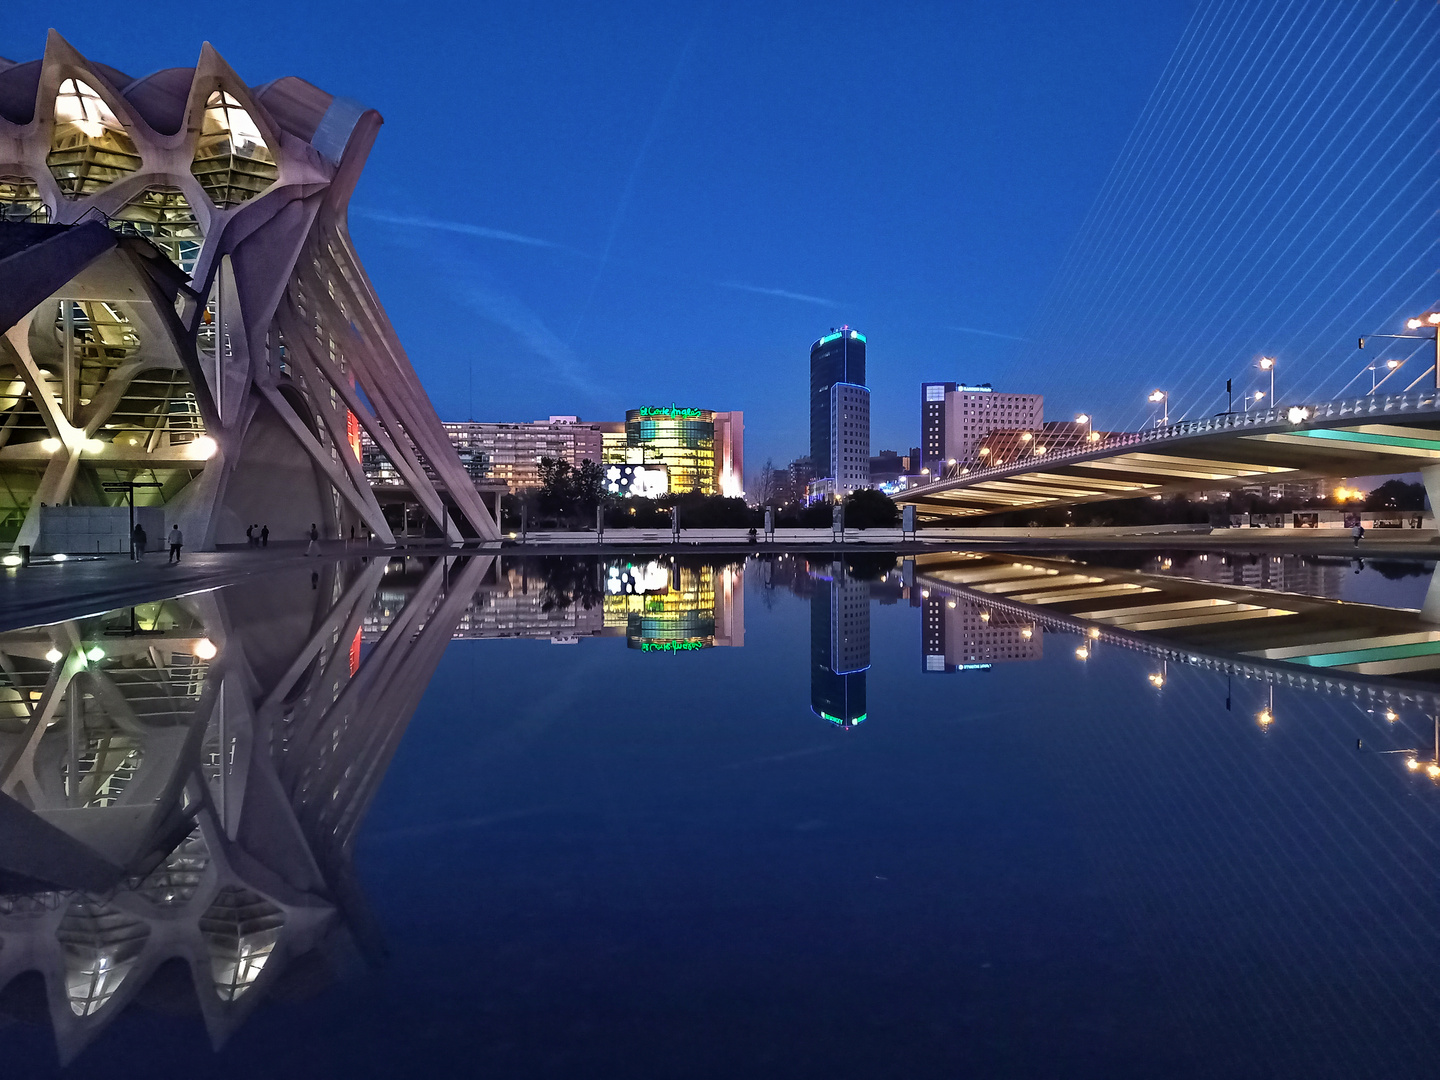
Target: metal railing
(1278, 418)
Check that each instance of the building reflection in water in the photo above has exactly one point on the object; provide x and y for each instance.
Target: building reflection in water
(960, 634)
(660, 604)
(839, 644)
(182, 783)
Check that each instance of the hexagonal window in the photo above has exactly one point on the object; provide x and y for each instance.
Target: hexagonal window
(232, 161)
(89, 147)
(20, 200)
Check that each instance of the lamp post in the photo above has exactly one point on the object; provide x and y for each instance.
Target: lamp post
(1430, 320)
(1255, 399)
(1086, 419)
(1159, 396)
(1267, 363)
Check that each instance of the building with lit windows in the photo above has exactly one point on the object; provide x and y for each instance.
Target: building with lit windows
(701, 450)
(955, 418)
(837, 358)
(670, 606)
(960, 635)
(505, 453)
(182, 310)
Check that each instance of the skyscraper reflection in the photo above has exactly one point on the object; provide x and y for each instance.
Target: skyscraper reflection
(839, 644)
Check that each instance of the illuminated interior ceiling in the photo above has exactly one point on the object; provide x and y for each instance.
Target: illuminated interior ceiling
(232, 161)
(89, 147)
(1187, 461)
(164, 217)
(20, 200)
(1249, 624)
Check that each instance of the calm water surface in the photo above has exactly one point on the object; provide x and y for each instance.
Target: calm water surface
(788, 818)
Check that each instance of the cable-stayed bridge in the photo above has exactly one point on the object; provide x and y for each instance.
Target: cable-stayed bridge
(1276, 197)
(1364, 436)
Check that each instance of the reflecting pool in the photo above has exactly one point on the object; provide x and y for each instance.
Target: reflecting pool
(973, 813)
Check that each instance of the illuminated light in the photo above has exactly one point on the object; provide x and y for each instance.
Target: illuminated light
(54, 656)
(1433, 318)
(205, 649)
(1264, 717)
(984, 450)
(1039, 449)
(1158, 395)
(1094, 632)
(924, 472)
(1083, 653)
(1027, 633)
(1082, 419)
(1026, 437)
(96, 653)
(1266, 363)
(1393, 364)
(203, 447)
(1391, 715)
(674, 411)
(12, 560)
(59, 556)
(1432, 770)
(1414, 324)
(1094, 436)
(984, 615)
(1157, 680)
(950, 603)
(925, 594)
(50, 445)
(93, 446)
(1297, 415)
(1259, 394)
(1411, 764)
(951, 461)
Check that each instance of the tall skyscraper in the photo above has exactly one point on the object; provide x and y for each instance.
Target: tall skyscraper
(840, 411)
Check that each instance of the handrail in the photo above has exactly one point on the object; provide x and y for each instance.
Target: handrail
(1278, 417)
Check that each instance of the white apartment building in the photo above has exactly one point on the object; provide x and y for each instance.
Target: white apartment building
(849, 438)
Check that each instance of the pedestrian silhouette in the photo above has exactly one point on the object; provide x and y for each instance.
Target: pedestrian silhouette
(314, 545)
(176, 539)
(265, 536)
(315, 579)
(138, 540)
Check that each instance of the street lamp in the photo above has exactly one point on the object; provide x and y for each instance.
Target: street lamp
(1158, 396)
(1431, 321)
(1256, 399)
(1267, 363)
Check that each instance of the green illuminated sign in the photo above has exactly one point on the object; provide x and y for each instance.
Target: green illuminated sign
(838, 720)
(670, 410)
(671, 646)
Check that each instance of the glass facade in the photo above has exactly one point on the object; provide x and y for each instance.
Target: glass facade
(683, 440)
(232, 161)
(89, 147)
(838, 357)
(20, 200)
(164, 217)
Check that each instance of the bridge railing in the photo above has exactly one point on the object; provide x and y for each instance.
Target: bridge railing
(1373, 406)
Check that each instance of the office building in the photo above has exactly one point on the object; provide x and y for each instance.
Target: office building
(955, 418)
(849, 440)
(701, 450)
(505, 453)
(837, 358)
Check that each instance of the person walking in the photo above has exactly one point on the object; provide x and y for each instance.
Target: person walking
(314, 545)
(138, 540)
(265, 536)
(1358, 532)
(176, 539)
(250, 535)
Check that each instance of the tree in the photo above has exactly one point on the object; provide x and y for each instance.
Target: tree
(767, 487)
(557, 491)
(870, 509)
(1396, 495)
(588, 486)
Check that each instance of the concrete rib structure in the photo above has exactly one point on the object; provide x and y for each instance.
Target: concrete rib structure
(181, 306)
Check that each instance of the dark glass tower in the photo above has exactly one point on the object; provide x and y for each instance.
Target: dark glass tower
(838, 357)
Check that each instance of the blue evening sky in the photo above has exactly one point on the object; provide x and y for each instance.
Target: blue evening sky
(593, 207)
